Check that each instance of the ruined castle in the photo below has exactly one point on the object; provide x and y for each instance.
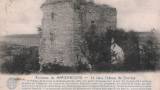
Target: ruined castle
(63, 19)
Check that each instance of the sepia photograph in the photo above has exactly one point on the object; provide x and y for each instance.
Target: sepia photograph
(79, 36)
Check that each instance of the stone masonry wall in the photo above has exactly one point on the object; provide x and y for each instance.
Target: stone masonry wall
(103, 16)
(57, 26)
(62, 20)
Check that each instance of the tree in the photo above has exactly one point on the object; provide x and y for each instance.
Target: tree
(20, 59)
(150, 54)
(96, 48)
(131, 49)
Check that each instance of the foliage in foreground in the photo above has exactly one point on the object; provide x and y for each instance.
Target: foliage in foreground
(96, 48)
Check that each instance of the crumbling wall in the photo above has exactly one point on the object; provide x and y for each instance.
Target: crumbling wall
(62, 23)
(57, 26)
(103, 16)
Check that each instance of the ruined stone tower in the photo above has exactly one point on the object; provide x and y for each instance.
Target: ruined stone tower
(62, 19)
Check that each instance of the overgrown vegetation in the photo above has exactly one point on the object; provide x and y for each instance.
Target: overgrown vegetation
(19, 59)
(96, 48)
(149, 55)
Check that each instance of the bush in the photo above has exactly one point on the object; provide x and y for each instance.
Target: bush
(150, 53)
(20, 59)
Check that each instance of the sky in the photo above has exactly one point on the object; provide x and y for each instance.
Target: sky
(24, 16)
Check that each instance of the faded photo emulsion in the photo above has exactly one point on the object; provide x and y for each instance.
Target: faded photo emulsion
(88, 44)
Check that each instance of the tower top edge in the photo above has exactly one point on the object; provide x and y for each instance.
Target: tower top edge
(51, 2)
(85, 2)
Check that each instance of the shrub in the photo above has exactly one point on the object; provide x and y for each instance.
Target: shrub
(20, 59)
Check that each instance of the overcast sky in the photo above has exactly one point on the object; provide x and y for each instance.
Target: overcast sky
(24, 16)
